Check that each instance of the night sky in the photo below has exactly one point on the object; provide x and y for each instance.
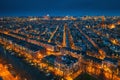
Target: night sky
(59, 7)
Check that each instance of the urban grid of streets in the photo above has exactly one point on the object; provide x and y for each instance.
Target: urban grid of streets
(66, 46)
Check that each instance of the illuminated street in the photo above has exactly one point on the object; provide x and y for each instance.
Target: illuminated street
(59, 48)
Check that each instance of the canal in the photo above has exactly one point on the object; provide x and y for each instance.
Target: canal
(24, 69)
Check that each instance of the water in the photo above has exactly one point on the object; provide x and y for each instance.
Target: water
(24, 69)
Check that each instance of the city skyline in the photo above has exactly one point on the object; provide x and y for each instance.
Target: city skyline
(59, 40)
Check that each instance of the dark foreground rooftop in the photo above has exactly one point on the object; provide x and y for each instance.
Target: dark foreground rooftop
(66, 59)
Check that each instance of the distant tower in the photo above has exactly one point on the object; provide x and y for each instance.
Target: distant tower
(47, 17)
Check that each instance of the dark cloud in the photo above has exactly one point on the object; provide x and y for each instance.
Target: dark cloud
(59, 7)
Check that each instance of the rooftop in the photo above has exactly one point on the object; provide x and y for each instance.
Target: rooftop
(66, 59)
(72, 50)
(86, 57)
(18, 35)
(114, 61)
(25, 44)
